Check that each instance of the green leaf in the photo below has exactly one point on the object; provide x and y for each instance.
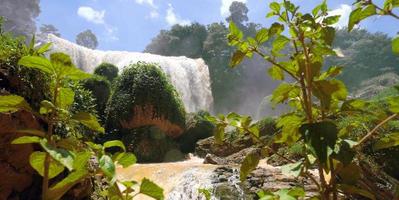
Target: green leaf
(249, 163)
(65, 98)
(235, 34)
(13, 103)
(237, 58)
(350, 189)
(330, 20)
(262, 35)
(393, 103)
(151, 189)
(328, 90)
(37, 159)
(31, 132)
(291, 194)
(279, 44)
(127, 159)
(44, 48)
(276, 73)
(332, 72)
(108, 167)
(90, 121)
(344, 152)
(395, 44)
(26, 140)
(205, 192)
(74, 73)
(292, 169)
(289, 125)
(57, 191)
(63, 156)
(387, 141)
(282, 93)
(275, 7)
(81, 159)
(321, 138)
(275, 29)
(46, 107)
(219, 133)
(360, 14)
(37, 62)
(60, 61)
(114, 143)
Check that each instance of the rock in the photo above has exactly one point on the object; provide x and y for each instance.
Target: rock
(209, 146)
(15, 170)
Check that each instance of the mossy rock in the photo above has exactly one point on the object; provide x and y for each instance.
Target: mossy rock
(100, 88)
(197, 128)
(144, 96)
(107, 70)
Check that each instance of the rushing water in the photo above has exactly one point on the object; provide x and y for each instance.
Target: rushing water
(189, 76)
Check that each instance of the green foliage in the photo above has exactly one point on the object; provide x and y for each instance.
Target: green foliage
(107, 70)
(87, 39)
(100, 88)
(58, 153)
(149, 188)
(144, 84)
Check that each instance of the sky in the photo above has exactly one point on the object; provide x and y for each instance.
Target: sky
(129, 25)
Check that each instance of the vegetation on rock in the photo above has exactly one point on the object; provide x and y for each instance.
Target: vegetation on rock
(107, 70)
(100, 89)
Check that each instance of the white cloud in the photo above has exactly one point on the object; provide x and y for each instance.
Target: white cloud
(224, 9)
(344, 10)
(97, 17)
(91, 15)
(154, 9)
(148, 2)
(154, 14)
(172, 18)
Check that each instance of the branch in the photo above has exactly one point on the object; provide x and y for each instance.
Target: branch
(371, 133)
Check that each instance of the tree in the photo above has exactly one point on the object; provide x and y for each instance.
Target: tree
(20, 16)
(87, 39)
(238, 13)
(107, 70)
(46, 29)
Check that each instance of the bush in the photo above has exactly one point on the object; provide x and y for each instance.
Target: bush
(197, 128)
(101, 91)
(28, 83)
(107, 70)
(144, 96)
(267, 126)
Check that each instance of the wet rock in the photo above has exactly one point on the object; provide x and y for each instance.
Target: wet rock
(209, 146)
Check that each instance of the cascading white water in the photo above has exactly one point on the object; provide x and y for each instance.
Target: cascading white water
(189, 76)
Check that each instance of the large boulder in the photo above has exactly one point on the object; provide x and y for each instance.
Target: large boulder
(143, 96)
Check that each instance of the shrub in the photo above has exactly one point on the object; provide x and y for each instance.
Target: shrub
(101, 91)
(144, 96)
(267, 126)
(107, 70)
(197, 128)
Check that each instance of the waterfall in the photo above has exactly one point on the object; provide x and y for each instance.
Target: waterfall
(189, 76)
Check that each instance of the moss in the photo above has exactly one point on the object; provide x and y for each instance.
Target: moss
(197, 128)
(101, 91)
(141, 85)
(107, 70)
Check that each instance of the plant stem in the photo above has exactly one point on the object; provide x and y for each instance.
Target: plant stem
(374, 130)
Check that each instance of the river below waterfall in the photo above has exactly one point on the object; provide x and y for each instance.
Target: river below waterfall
(181, 180)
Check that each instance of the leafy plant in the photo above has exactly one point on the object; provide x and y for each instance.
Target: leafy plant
(317, 99)
(69, 153)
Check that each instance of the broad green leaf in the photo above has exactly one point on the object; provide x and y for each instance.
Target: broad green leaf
(90, 121)
(328, 90)
(151, 189)
(292, 169)
(237, 58)
(60, 60)
(235, 34)
(275, 29)
(37, 159)
(281, 93)
(393, 103)
(330, 20)
(262, 35)
(46, 107)
(63, 156)
(321, 138)
(359, 14)
(276, 73)
(31, 132)
(65, 97)
(206, 193)
(13, 103)
(289, 125)
(350, 189)
(219, 133)
(74, 73)
(387, 141)
(57, 191)
(328, 35)
(108, 167)
(395, 44)
(127, 159)
(291, 194)
(343, 152)
(81, 159)
(279, 44)
(354, 105)
(332, 72)
(249, 163)
(94, 146)
(26, 140)
(114, 143)
(275, 7)
(44, 48)
(37, 62)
